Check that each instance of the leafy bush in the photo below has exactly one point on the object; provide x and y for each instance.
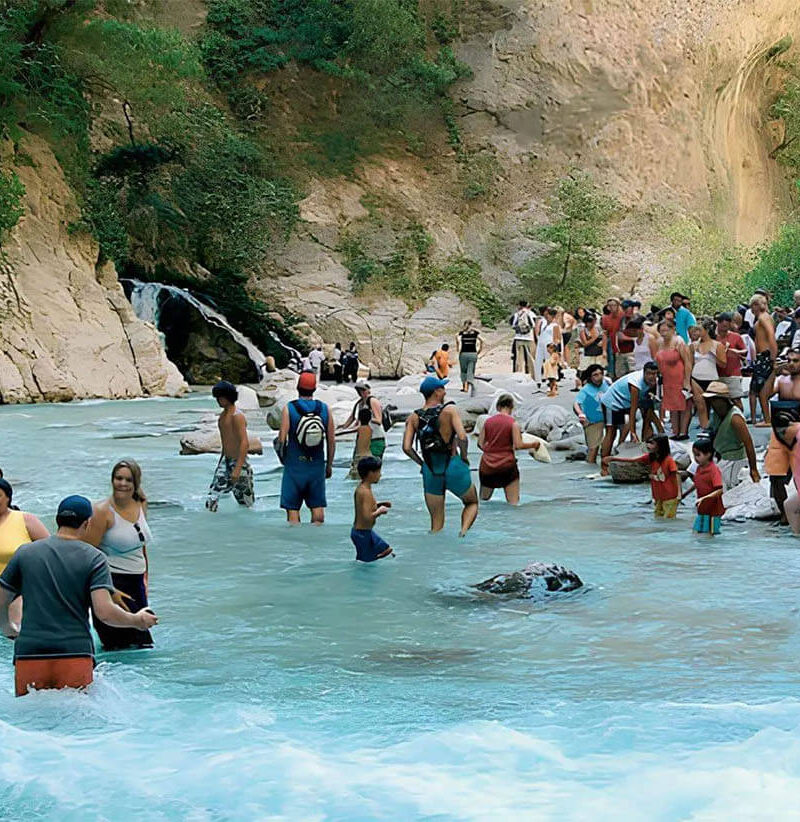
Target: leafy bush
(569, 272)
(410, 274)
(777, 267)
(713, 270)
(11, 193)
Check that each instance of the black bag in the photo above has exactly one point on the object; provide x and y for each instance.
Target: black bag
(429, 436)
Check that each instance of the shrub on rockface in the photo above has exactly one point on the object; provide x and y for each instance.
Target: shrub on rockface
(777, 267)
(11, 193)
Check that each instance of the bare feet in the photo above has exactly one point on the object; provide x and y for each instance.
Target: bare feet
(389, 552)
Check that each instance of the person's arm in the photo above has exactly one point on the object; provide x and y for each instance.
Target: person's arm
(100, 522)
(35, 528)
(740, 427)
(330, 451)
(717, 492)
(377, 409)
(579, 413)
(350, 423)
(458, 343)
(283, 433)
(7, 628)
(241, 430)
(408, 439)
(482, 438)
(771, 341)
(458, 428)
(479, 344)
(634, 408)
(109, 613)
(688, 363)
(652, 342)
(642, 458)
(721, 353)
(557, 335)
(519, 443)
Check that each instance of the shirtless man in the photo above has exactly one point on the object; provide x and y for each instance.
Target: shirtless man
(438, 429)
(766, 352)
(233, 472)
(785, 381)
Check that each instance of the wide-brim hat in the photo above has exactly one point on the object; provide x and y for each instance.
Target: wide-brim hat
(362, 385)
(717, 389)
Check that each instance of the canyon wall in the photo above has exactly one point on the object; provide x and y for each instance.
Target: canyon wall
(66, 329)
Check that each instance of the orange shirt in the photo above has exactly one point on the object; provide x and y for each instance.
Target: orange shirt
(663, 477)
(442, 362)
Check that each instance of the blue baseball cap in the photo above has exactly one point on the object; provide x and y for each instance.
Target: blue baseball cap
(75, 506)
(430, 384)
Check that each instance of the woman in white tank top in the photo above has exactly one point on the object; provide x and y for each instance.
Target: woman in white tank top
(707, 357)
(119, 529)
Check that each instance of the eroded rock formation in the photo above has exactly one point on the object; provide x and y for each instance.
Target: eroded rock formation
(66, 329)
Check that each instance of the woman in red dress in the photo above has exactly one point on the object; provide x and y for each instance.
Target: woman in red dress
(675, 366)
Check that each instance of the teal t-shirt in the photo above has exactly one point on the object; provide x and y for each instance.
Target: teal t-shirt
(55, 578)
(589, 400)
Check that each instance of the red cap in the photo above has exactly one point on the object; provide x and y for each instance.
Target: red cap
(307, 382)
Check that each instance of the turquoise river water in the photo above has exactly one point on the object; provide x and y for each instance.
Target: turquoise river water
(289, 682)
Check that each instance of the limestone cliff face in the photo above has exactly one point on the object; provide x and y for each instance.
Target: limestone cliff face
(66, 329)
(665, 102)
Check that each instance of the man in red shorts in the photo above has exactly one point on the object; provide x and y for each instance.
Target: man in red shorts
(59, 579)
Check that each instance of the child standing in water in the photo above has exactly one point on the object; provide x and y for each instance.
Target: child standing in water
(369, 546)
(550, 369)
(363, 441)
(708, 482)
(664, 483)
(233, 472)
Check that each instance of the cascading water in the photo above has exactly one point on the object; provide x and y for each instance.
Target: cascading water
(145, 299)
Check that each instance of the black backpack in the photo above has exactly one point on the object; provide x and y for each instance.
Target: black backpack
(429, 436)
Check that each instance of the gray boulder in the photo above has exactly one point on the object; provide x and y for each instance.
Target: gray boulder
(535, 580)
(630, 472)
(550, 422)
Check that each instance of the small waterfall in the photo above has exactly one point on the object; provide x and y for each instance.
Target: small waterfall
(145, 301)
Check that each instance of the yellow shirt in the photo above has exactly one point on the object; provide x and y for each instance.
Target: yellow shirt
(13, 533)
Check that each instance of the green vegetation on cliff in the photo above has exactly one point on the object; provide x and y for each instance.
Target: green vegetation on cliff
(170, 142)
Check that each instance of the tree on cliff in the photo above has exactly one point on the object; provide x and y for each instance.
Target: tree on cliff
(569, 270)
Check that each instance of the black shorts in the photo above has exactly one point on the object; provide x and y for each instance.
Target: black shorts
(499, 479)
(703, 383)
(614, 417)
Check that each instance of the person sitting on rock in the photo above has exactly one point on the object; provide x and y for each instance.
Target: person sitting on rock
(732, 440)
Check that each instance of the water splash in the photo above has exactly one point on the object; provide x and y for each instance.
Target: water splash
(145, 299)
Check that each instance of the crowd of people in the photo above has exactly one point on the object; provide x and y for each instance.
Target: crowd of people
(642, 377)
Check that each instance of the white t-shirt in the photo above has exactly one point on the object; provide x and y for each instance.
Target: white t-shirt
(316, 358)
(796, 339)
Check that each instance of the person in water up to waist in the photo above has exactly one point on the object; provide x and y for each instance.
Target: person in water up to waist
(440, 434)
(16, 528)
(233, 471)
(61, 578)
(308, 435)
(119, 529)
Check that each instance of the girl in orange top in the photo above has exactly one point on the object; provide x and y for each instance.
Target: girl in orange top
(664, 483)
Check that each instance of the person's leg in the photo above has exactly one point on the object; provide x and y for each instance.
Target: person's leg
(317, 516)
(512, 492)
(243, 489)
(608, 444)
(700, 404)
(752, 396)
(315, 496)
(792, 508)
(470, 511)
(472, 363)
(462, 365)
(435, 506)
(763, 397)
(779, 492)
(486, 493)
(293, 517)
(220, 484)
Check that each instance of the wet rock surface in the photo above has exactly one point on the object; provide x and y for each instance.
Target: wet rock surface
(536, 579)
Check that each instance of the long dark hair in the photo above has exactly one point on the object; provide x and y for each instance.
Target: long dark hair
(662, 447)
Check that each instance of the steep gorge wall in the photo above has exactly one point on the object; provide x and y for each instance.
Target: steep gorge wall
(665, 102)
(66, 329)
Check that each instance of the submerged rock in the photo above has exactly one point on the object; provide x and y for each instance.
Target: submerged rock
(207, 441)
(535, 579)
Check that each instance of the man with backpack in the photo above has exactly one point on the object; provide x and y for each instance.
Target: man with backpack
(438, 431)
(522, 322)
(307, 440)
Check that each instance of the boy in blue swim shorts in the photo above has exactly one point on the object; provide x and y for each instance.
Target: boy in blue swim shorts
(369, 546)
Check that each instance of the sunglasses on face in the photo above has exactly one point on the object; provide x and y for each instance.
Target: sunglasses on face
(139, 532)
